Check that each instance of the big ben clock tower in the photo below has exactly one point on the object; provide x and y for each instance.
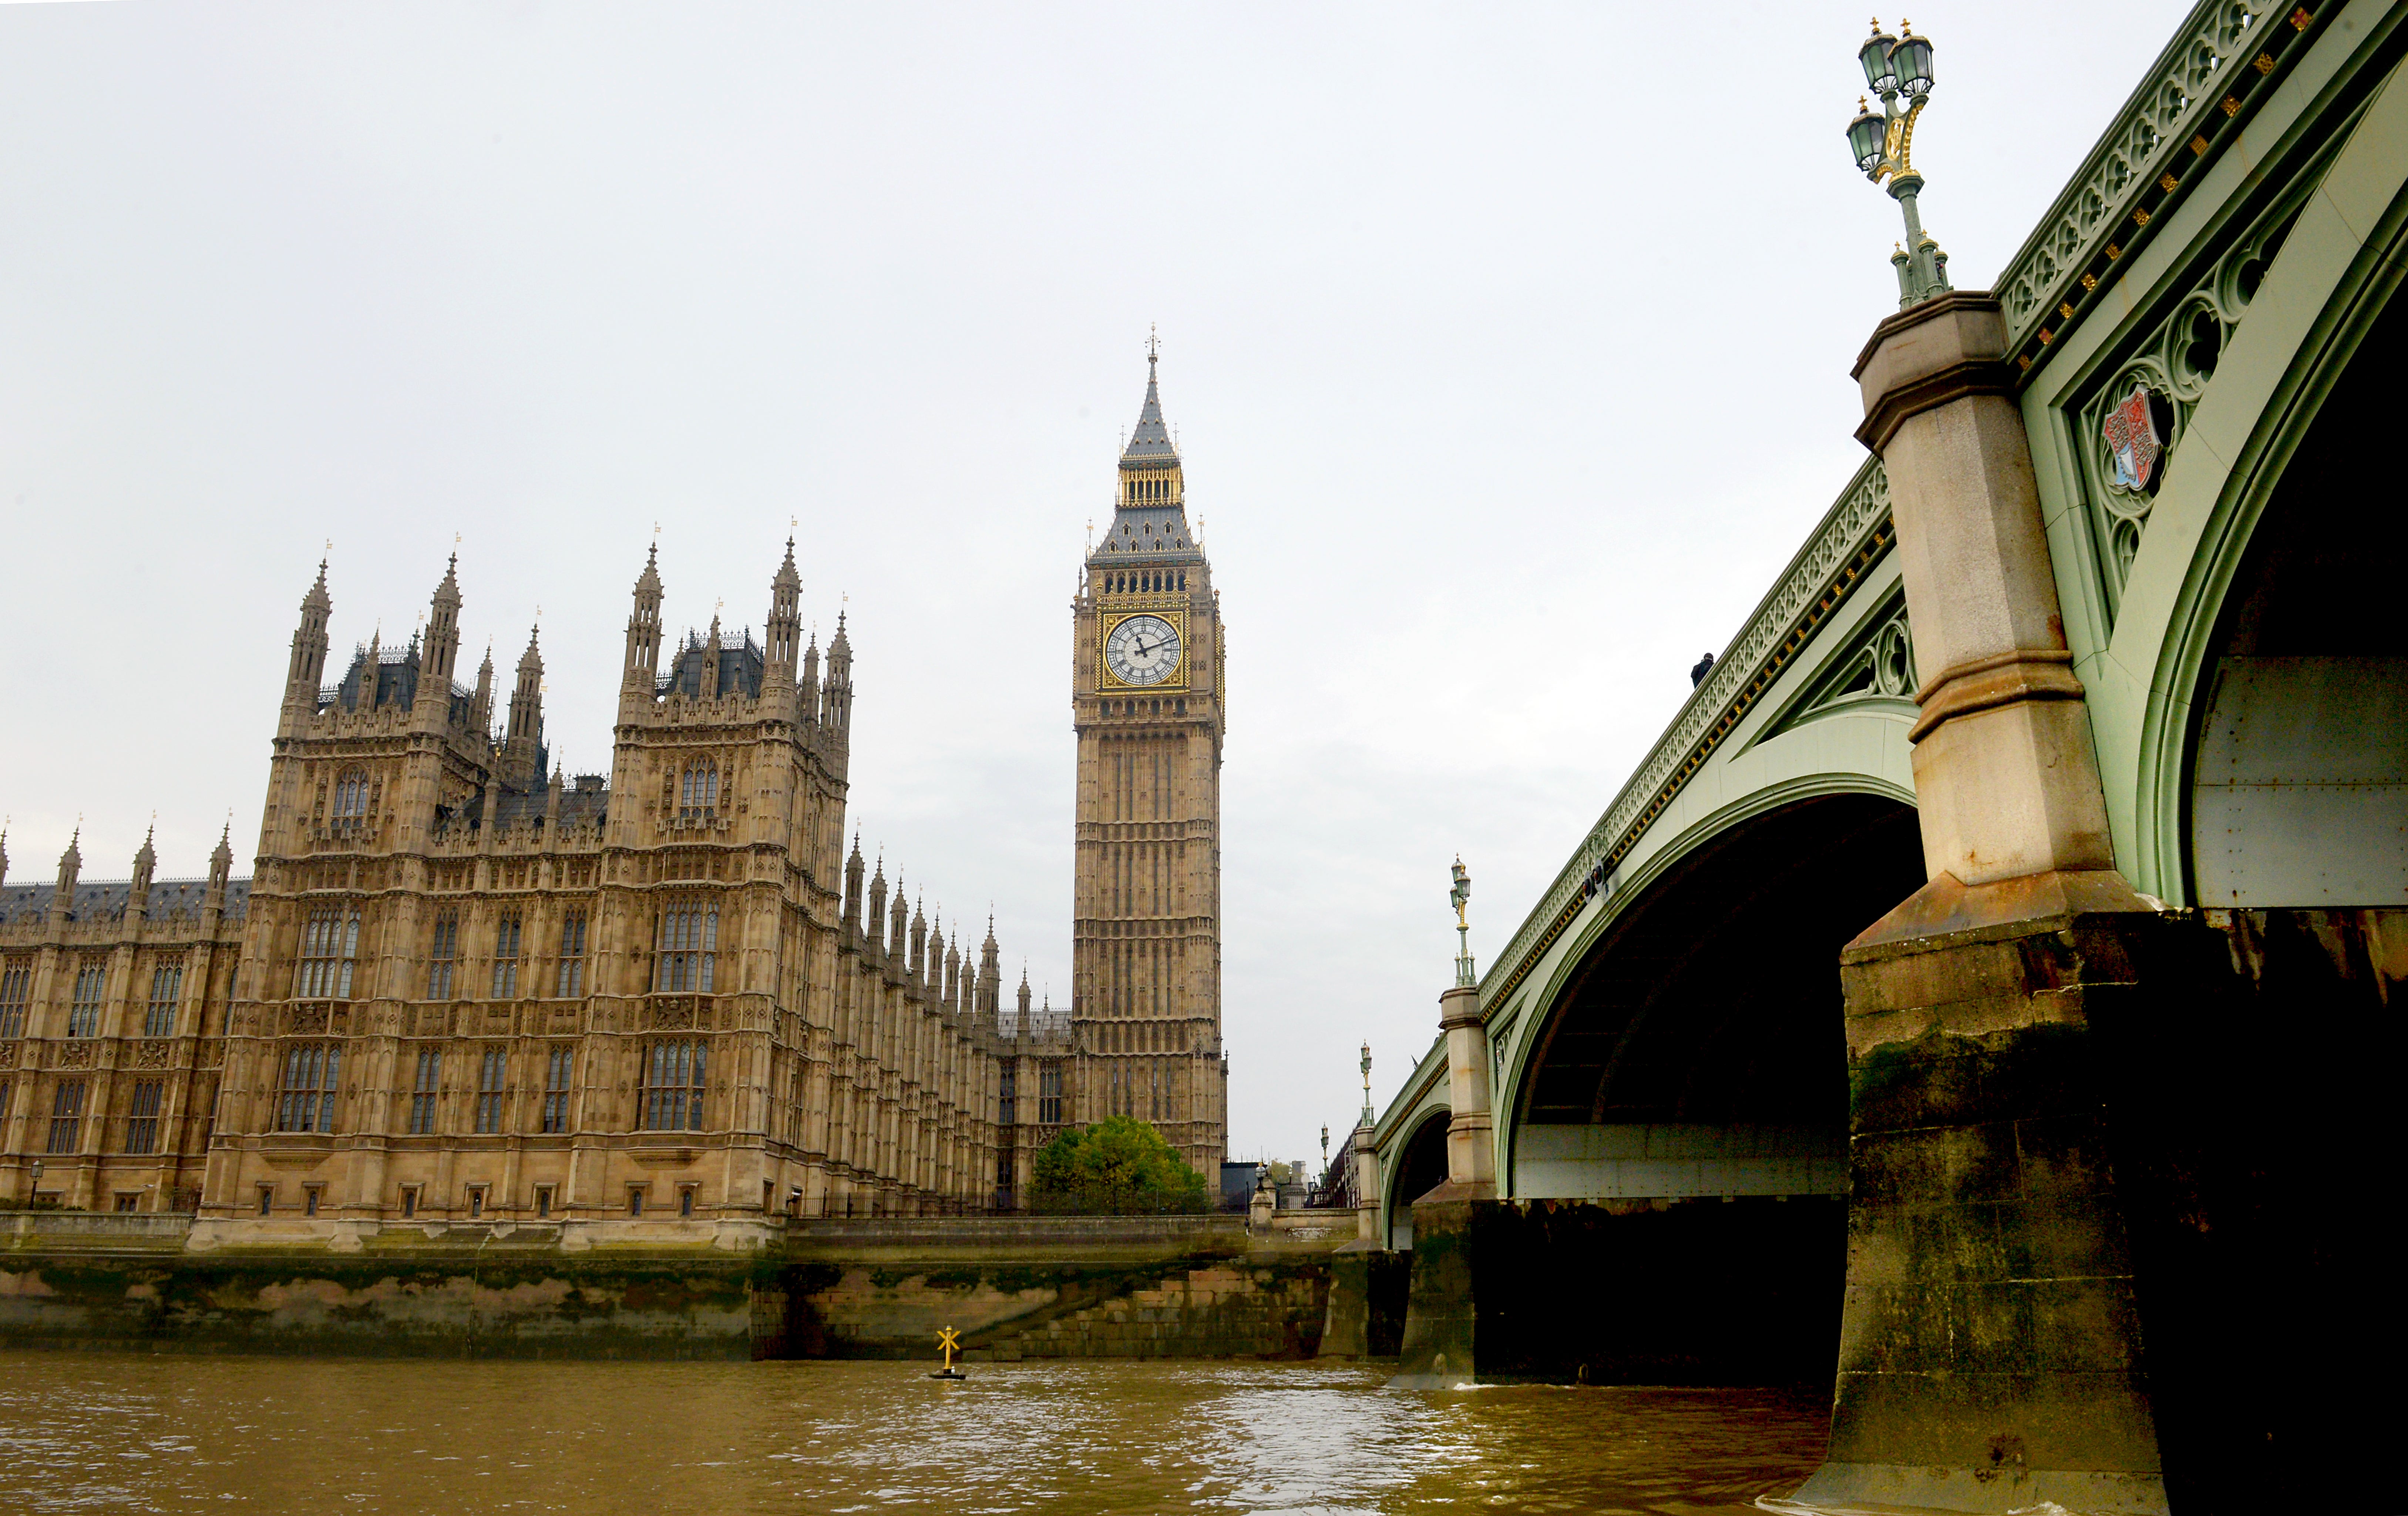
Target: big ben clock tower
(1146, 683)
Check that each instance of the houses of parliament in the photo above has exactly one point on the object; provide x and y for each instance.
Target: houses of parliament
(459, 984)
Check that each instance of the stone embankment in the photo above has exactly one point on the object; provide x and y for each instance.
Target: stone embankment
(1154, 1287)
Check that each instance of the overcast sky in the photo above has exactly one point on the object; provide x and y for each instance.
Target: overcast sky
(1507, 345)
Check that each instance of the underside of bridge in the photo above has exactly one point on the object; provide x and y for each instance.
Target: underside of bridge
(1421, 1167)
(1679, 1153)
(2262, 1269)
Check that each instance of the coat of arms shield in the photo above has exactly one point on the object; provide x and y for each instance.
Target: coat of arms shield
(2132, 433)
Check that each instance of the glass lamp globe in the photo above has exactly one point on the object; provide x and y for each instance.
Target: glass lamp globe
(1867, 136)
(1874, 55)
(1912, 59)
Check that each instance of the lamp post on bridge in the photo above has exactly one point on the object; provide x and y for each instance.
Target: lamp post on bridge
(1882, 145)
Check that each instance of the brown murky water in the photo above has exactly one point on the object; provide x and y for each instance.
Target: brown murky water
(118, 1432)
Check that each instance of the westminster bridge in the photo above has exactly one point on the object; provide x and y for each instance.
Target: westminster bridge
(1986, 989)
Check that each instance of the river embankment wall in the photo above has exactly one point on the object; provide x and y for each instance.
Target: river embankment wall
(1013, 1287)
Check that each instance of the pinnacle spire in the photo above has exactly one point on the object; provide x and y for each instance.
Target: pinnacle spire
(1149, 444)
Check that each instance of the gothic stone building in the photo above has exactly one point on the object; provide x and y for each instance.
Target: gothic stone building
(1148, 679)
(461, 985)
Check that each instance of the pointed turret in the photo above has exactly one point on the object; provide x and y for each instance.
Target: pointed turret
(709, 688)
(898, 927)
(919, 962)
(220, 871)
(807, 693)
(835, 706)
(441, 650)
(1150, 445)
(990, 985)
(4, 854)
(1149, 533)
(480, 708)
(876, 921)
(642, 675)
(853, 867)
(523, 752)
(70, 867)
(952, 995)
(146, 863)
(784, 651)
(308, 665)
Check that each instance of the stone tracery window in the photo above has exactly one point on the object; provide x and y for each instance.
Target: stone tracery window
(671, 1097)
(446, 949)
(571, 980)
(166, 987)
(491, 1080)
(507, 937)
(558, 1068)
(83, 1012)
(688, 949)
(421, 1097)
(142, 1119)
(330, 941)
(305, 1087)
(350, 799)
(698, 790)
(16, 992)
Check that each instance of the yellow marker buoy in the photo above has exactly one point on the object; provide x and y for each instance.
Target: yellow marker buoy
(951, 1342)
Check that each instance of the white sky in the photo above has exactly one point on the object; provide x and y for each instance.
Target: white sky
(1508, 348)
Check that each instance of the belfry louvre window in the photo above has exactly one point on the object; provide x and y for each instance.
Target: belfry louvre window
(330, 941)
(142, 1117)
(440, 958)
(350, 799)
(689, 945)
(83, 1013)
(1049, 1092)
(66, 1115)
(421, 1095)
(490, 1080)
(571, 981)
(16, 990)
(556, 1071)
(698, 789)
(305, 1096)
(673, 1083)
(505, 957)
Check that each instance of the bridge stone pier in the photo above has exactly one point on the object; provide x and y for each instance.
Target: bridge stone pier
(1983, 997)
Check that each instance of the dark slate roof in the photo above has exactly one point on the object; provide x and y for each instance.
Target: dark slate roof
(741, 666)
(1150, 445)
(104, 900)
(1145, 535)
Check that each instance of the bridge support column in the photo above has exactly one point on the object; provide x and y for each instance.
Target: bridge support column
(1443, 1300)
(1990, 1343)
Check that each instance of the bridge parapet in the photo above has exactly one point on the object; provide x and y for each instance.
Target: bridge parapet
(1854, 535)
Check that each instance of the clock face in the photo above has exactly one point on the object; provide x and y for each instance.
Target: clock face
(1143, 650)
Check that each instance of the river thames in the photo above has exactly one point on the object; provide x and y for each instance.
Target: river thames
(84, 1432)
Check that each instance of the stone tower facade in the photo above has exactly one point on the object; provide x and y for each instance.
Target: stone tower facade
(465, 987)
(1147, 683)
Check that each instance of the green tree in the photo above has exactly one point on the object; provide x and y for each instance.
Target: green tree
(1119, 1165)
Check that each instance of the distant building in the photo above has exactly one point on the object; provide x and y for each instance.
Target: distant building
(461, 985)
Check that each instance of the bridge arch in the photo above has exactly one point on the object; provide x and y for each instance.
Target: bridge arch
(1677, 1118)
(2260, 464)
(1420, 1167)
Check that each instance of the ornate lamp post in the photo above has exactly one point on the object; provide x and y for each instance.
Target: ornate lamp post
(1459, 897)
(1882, 145)
(1366, 1084)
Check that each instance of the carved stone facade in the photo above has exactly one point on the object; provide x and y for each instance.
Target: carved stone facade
(1148, 682)
(462, 988)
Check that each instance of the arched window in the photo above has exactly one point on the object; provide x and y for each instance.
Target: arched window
(671, 1099)
(698, 795)
(689, 948)
(330, 941)
(306, 1089)
(352, 798)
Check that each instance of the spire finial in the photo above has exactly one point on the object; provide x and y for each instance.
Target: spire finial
(1153, 343)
